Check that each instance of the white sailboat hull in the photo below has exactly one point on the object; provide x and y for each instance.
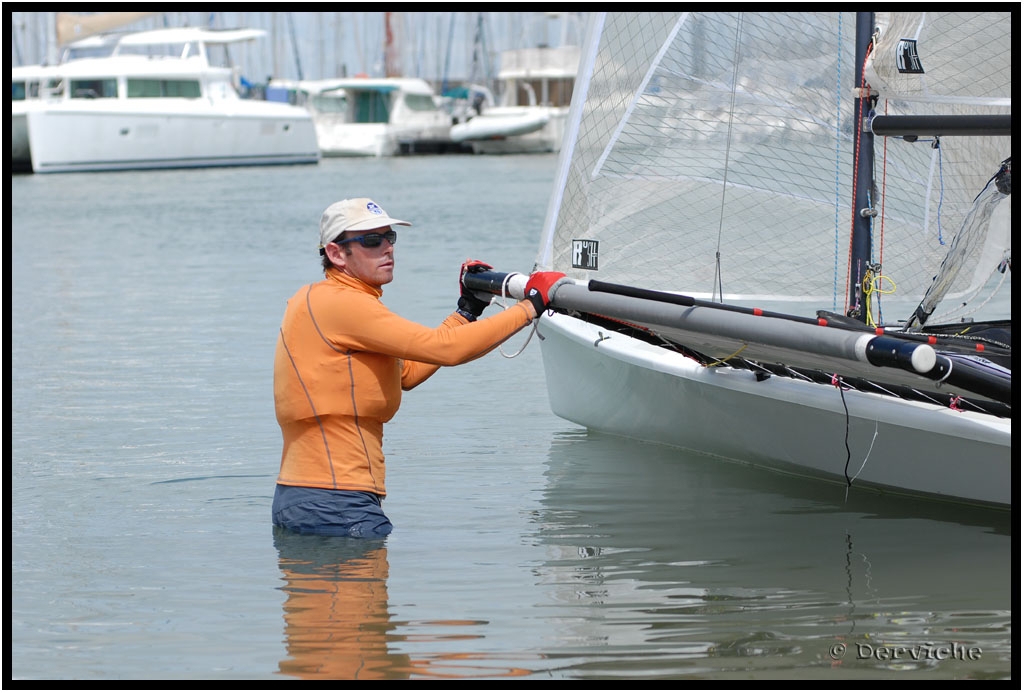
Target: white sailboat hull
(342, 139)
(615, 384)
(101, 136)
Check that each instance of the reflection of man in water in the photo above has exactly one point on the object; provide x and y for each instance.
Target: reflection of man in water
(336, 619)
(336, 610)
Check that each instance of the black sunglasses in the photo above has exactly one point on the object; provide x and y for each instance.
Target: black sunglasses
(372, 240)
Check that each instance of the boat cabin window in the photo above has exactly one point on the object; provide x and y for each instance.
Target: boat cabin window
(372, 106)
(162, 88)
(324, 103)
(55, 88)
(25, 90)
(94, 51)
(94, 88)
(420, 102)
(162, 50)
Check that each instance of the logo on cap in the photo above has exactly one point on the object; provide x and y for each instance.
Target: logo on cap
(372, 208)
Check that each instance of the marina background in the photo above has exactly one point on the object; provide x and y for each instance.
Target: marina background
(144, 309)
(440, 47)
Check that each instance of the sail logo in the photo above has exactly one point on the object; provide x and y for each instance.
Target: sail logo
(584, 254)
(907, 59)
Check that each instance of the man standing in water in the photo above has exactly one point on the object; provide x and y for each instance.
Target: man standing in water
(343, 359)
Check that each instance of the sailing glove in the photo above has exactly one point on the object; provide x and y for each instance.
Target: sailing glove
(540, 287)
(471, 304)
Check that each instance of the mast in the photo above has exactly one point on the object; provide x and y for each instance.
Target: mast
(295, 44)
(52, 49)
(448, 55)
(392, 62)
(480, 52)
(863, 212)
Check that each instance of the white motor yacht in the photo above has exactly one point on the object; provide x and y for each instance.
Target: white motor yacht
(152, 100)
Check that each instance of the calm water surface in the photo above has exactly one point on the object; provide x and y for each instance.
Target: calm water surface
(144, 309)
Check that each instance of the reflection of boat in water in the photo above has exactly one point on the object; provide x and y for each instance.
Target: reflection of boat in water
(153, 100)
(669, 564)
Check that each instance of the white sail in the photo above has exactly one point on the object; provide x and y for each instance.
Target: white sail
(942, 64)
(714, 155)
(711, 137)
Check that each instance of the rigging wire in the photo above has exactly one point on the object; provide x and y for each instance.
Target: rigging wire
(938, 209)
(879, 197)
(838, 186)
(725, 173)
(533, 330)
(866, 456)
(936, 162)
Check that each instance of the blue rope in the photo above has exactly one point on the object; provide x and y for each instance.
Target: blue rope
(938, 220)
(876, 253)
(839, 98)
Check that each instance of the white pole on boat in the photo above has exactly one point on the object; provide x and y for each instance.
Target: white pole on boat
(52, 52)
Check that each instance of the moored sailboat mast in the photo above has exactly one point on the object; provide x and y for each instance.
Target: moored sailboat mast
(860, 232)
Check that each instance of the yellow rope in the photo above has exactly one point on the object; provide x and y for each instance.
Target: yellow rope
(869, 287)
(721, 361)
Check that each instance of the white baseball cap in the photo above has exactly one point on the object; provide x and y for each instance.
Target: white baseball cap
(357, 214)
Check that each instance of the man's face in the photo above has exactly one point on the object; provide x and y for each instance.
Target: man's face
(375, 266)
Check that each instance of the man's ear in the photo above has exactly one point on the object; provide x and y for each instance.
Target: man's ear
(335, 254)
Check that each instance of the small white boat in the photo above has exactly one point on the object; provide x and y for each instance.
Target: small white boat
(497, 125)
(153, 100)
(536, 87)
(365, 116)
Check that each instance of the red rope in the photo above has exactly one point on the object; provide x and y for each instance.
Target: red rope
(856, 167)
(881, 213)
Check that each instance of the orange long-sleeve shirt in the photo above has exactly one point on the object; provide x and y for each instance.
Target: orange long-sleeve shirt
(342, 361)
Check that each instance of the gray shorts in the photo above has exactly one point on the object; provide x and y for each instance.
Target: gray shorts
(325, 511)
